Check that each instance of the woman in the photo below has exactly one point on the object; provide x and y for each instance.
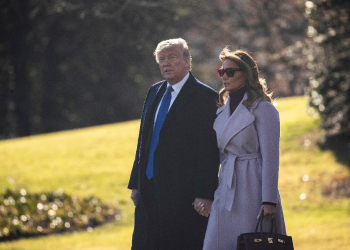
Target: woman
(248, 131)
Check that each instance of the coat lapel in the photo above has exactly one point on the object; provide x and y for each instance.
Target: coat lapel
(149, 113)
(240, 119)
(223, 114)
(150, 109)
(180, 100)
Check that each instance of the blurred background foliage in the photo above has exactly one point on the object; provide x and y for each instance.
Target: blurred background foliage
(328, 44)
(68, 64)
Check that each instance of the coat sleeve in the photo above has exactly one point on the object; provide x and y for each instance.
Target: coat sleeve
(134, 176)
(133, 181)
(208, 158)
(267, 123)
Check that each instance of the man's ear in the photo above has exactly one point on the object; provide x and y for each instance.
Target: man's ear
(187, 61)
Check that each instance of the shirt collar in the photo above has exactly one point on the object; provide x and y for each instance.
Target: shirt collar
(177, 86)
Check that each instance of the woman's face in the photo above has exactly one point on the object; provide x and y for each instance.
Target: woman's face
(236, 82)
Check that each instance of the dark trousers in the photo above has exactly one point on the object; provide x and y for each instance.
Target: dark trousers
(152, 208)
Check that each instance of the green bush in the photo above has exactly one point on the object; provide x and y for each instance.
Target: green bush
(329, 58)
(24, 215)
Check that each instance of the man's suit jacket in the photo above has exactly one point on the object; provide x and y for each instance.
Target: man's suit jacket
(186, 163)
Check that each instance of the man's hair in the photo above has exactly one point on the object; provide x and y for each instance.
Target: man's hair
(171, 43)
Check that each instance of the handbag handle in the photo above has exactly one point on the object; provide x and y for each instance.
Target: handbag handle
(260, 222)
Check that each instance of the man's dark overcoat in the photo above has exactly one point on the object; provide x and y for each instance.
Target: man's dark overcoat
(186, 163)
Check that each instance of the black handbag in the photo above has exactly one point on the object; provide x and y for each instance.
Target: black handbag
(264, 240)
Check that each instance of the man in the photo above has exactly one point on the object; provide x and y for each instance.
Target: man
(177, 159)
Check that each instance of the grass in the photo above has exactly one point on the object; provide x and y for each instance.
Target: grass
(97, 161)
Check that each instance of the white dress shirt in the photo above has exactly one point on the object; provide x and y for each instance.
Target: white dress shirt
(177, 87)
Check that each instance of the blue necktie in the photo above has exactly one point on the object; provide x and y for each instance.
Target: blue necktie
(162, 112)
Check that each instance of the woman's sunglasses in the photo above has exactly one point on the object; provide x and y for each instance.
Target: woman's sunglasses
(230, 72)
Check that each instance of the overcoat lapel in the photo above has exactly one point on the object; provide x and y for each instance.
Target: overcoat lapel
(149, 114)
(151, 107)
(180, 100)
(233, 124)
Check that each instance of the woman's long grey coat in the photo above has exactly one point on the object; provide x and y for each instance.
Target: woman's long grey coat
(249, 154)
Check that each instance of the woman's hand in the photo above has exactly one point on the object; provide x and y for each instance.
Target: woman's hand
(202, 206)
(269, 211)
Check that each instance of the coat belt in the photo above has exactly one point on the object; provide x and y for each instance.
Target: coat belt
(229, 185)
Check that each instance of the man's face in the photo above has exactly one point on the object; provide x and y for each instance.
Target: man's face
(173, 66)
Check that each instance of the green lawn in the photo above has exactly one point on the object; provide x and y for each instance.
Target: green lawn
(97, 161)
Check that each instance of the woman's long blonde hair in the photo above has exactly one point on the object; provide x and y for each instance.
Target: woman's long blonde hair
(255, 87)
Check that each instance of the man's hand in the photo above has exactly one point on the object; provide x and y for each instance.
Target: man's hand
(134, 195)
(269, 211)
(202, 206)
